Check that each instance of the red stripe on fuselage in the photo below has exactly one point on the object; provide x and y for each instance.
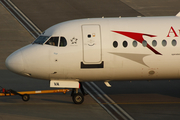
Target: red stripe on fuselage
(138, 37)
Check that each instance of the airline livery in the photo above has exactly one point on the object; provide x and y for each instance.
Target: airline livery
(102, 49)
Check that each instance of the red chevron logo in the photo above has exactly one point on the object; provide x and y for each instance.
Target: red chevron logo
(138, 37)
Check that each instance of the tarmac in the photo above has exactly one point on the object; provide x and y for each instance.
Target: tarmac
(141, 99)
(154, 7)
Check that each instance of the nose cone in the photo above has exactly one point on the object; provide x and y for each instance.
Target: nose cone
(14, 62)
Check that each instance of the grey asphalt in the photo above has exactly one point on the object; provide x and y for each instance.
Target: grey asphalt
(54, 11)
(146, 100)
(142, 100)
(154, 7)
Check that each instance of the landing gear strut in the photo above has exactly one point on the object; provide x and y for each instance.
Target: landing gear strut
(77, 97)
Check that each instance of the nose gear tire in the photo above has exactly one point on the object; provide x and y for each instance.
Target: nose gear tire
(78, 98)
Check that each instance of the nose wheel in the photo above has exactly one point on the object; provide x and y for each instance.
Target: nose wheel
(78, 98)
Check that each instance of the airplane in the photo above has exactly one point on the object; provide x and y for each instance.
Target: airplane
(102, 49)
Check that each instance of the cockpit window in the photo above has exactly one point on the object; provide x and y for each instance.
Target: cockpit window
(41, 39)
(53, 41)
(63, 42)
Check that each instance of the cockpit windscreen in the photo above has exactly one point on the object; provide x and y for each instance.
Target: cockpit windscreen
(41, 39)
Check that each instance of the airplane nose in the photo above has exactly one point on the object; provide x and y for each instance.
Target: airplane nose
(14, 62)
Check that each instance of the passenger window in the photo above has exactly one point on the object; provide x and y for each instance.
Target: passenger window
(174, 42)
(125, 44)
(144, 43)
(115, 44)
(154, 43)
(164, 43)
(63, 42)
(53, 41)
(135, 43)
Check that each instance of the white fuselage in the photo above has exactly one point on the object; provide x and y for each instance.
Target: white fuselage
(104, 49)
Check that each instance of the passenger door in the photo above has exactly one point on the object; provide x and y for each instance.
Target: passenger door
(92, 49)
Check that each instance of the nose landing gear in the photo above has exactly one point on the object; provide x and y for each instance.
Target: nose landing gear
(77, 97)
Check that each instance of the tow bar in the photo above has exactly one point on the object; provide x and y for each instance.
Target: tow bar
(26, 94)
